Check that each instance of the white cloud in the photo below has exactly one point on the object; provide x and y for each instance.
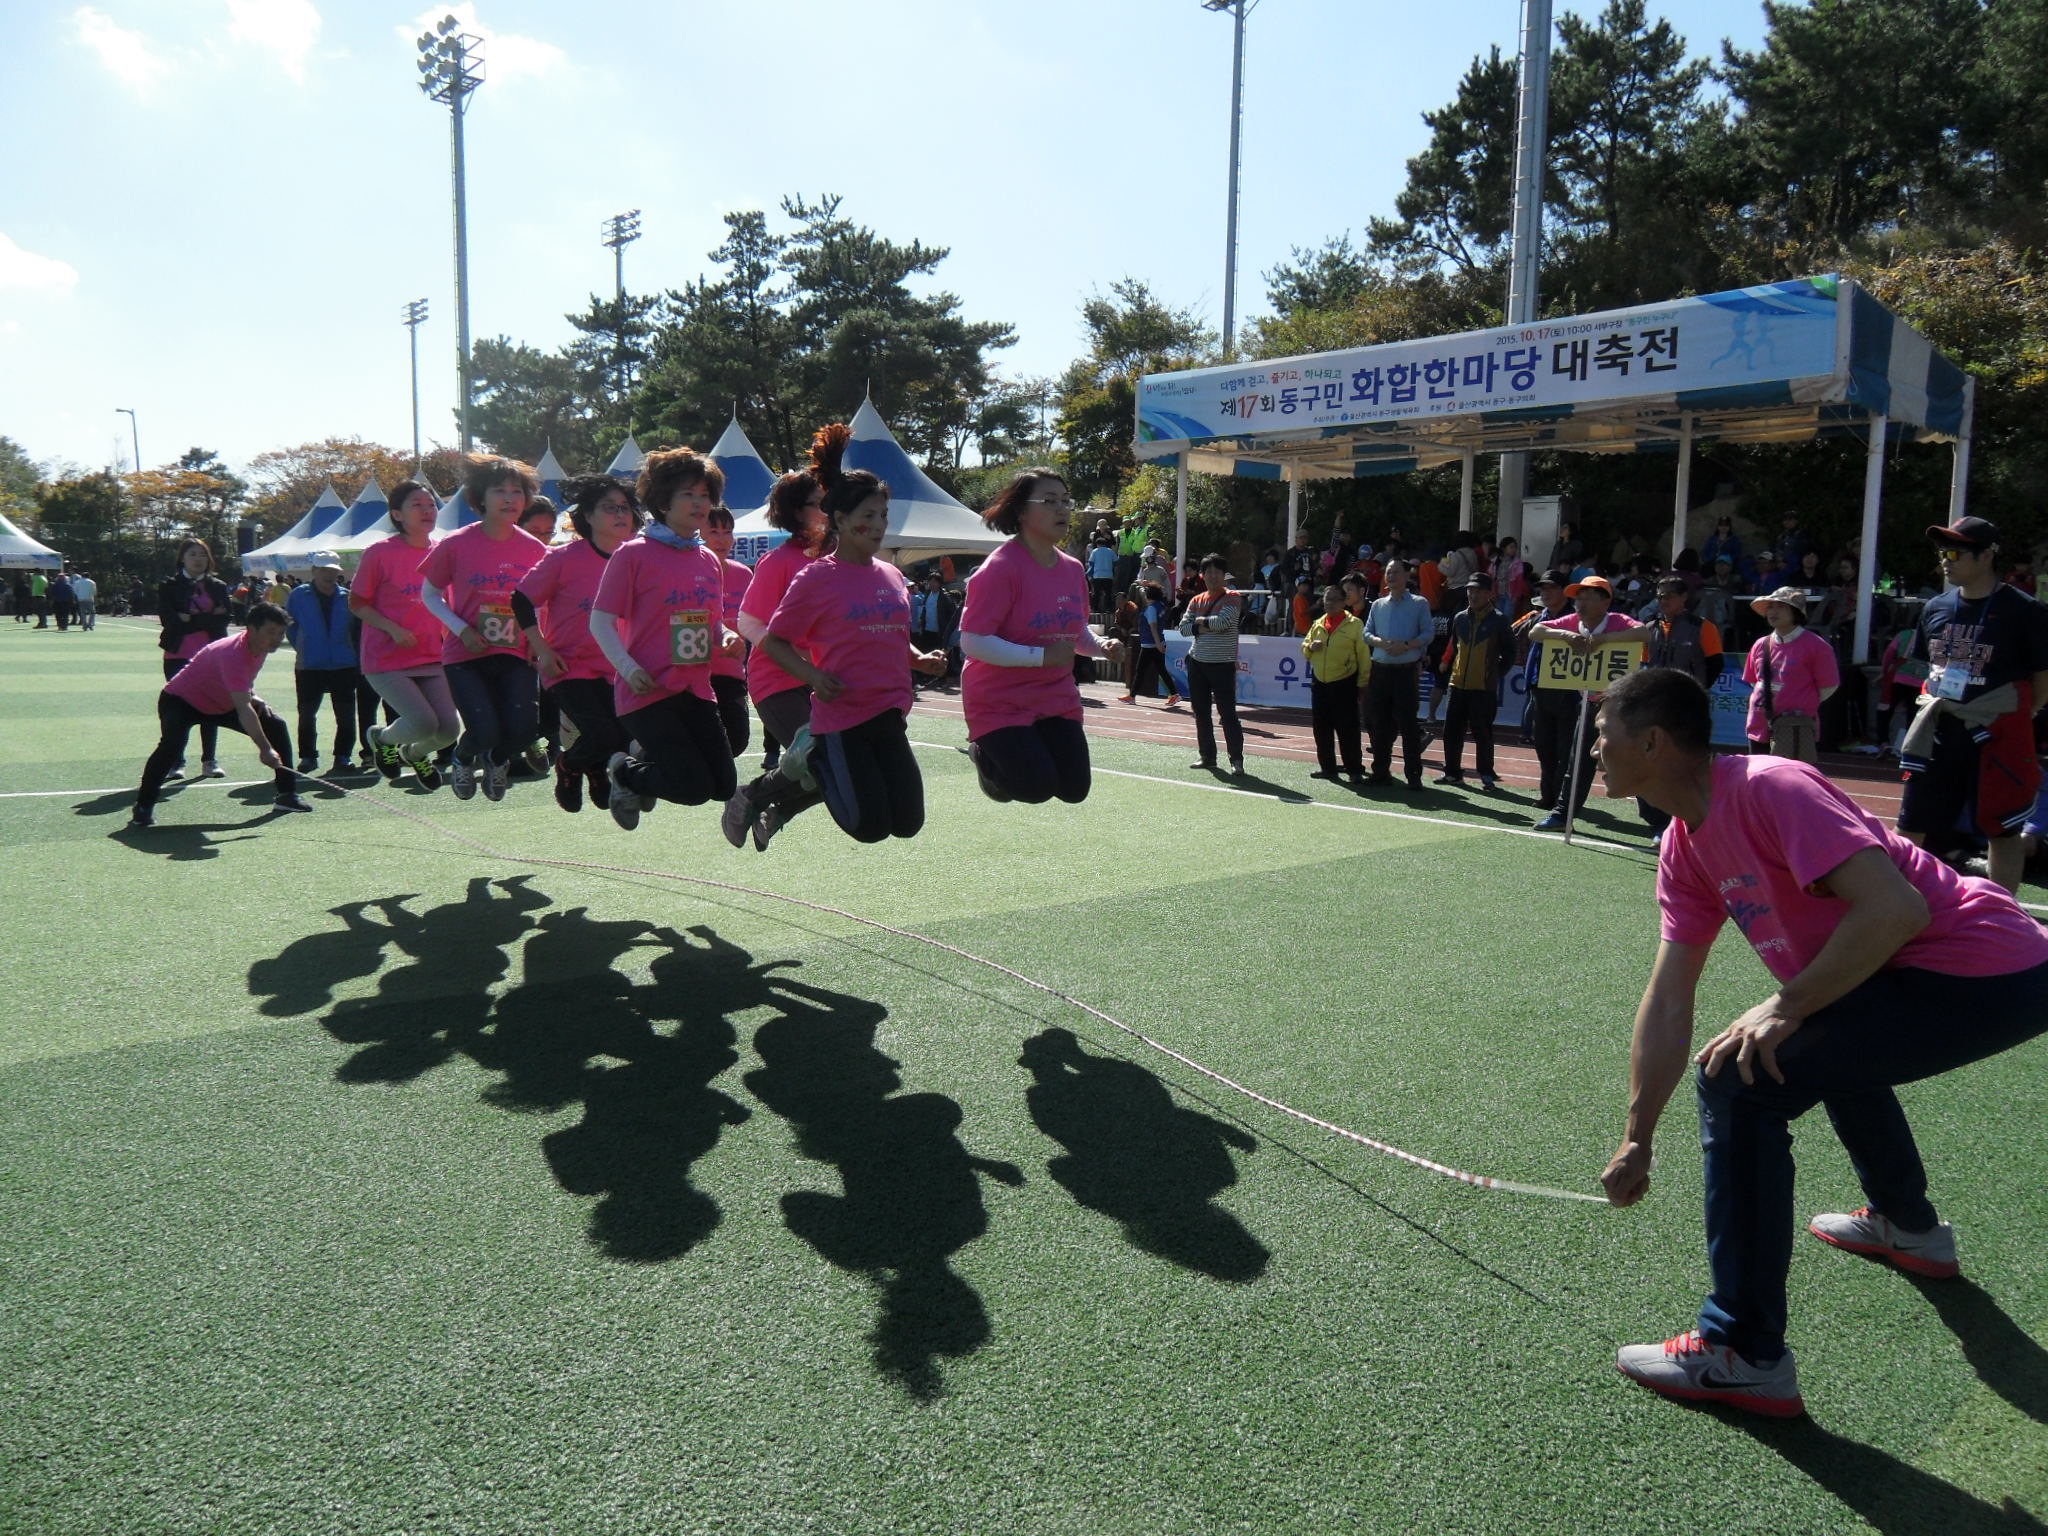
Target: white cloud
(285, 29)
(25, 269)
(508, 56)
(126, 53)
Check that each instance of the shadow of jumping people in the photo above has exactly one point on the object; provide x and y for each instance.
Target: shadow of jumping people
(303, 975)
(647, 1120)
(1137, 1156)
(912, 1191)
(426, 1011)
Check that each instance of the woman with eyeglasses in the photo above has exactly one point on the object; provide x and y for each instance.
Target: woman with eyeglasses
(1026, 619)
(552, 604)
(659, 618)
(796, 505)
(843, 627)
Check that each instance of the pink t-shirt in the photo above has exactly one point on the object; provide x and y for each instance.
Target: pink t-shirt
(1774, 828)
(738, 578)
(562, 588)
(1799, 671)
(854, 622)
(476, 574)
(772, 577)
(221, 668)
(670, 613)
(1015, 598)
(389, 581)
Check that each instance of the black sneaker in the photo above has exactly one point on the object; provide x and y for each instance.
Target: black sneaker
(290, 803)
(624, 804)
(390, 761)
(428, 772)
(568, 791)
(599, 788)
(141, 820)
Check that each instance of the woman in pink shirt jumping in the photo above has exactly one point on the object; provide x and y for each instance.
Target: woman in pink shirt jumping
(401, 653)
(552, 603)
(729, 669)
(797, 506)
(469, 579)
(843, 627)
(659, 618)
(1026, 619)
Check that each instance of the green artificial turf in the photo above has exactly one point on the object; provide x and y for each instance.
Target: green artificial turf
(357, 1182)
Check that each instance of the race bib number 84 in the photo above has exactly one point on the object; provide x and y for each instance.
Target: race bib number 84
(495, 623)
(689, 636)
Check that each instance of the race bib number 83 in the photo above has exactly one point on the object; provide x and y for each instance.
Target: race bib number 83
(689, 636)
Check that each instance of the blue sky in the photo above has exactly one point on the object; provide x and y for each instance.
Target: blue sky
(215, 209)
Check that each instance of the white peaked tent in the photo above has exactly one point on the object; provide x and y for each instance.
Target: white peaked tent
(923, 520)
(455, 513)
(290, 549)
(549, 473)
(627, 461)
(19, 552)
(367, 520)
(748, 480)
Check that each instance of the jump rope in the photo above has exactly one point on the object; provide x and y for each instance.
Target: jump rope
(1476, 1180)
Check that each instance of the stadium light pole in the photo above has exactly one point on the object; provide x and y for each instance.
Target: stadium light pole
(1238, 10)
(415, 317)
(1532, 145)
(134, 434)
(620, 231)
(451, 65)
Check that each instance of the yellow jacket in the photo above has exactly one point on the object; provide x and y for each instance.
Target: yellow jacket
(1337, 653)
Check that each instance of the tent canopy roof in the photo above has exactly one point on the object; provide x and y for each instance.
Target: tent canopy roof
(748, 479)
(1785, 362)
(19, 552)
(291, 549)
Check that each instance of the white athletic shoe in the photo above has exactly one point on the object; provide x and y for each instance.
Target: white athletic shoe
(624, 804)
(1931, 1253)
(461, 779)
(1691, 1369)
(177, 772)
(211, 769)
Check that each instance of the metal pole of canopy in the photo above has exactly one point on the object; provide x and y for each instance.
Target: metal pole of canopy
(1465, 493)
(1681, 501)
(1532, 155)
(1293, 509)
(1866, 560)
(1180, 516)
(1959, 477)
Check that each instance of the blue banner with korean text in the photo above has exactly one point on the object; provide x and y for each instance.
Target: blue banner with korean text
(1771, 343)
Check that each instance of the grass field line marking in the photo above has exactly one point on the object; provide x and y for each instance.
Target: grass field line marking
(1477, 1180)
(121, 789)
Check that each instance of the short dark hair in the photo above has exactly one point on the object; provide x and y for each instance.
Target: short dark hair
(1217, 561)
(540, 506)
(485, 470)
(719, 516)
(670, 470)
(1670, 701)
(786, 500)
(1004, 515)
(396, 498)
(266, 613)
(585, 495)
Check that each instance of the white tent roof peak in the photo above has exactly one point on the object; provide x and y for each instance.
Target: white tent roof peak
(627, 460)
(371, 495)
(549, 467)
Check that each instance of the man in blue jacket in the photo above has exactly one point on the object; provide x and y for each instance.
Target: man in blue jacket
(323, 636)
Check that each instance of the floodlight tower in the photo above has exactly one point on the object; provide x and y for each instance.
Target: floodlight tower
(415, 317)
(1532, 155)
(134, 433)
(1238, 9)
(620, 231)
(451, 67)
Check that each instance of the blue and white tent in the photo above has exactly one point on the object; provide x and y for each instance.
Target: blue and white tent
(748, 480)
(626, 462)
(290, 550)
(1780, 363)
(367, 520)
(455, 513)
(923, 520)
(19, 552)
(549, 473)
